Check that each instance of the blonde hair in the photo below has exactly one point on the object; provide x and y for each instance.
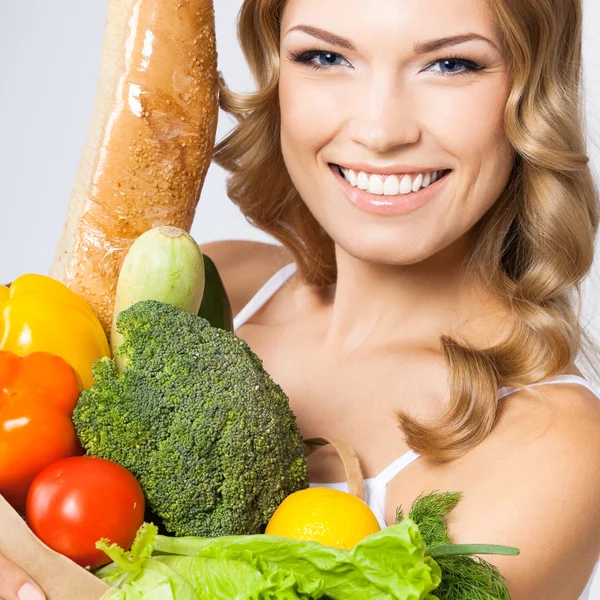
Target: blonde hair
(533, 247)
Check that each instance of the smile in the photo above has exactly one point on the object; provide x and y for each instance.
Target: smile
(390, 185)
(389, 194)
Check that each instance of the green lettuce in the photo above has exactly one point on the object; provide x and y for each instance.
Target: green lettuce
(406, 561)
(390, 564)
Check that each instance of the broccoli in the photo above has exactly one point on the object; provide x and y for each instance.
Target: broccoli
(197, 420)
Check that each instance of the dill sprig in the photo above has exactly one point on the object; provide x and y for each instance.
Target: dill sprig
(464, 577)
(470, 578)
(429, 513)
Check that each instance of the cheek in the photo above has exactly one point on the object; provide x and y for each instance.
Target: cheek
(310, 113)
(486, 153)
(304, 131)
(468, 121)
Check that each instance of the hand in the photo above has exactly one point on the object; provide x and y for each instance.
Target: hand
(15, 584)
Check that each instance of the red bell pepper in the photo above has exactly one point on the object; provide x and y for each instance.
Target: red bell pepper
(37, 396)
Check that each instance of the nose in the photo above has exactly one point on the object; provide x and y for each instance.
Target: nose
(383, 117)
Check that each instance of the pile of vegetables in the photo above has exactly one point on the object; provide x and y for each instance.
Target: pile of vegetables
(193, 415)
(184, 429)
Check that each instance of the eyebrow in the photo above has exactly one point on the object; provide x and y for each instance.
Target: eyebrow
(418, 48)
(325, 36)
(431, 46)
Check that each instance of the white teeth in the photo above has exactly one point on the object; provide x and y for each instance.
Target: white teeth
(390, 186)
(405, 185)
(362, 181)
(375, 185)
(416, 186)
(350, 176)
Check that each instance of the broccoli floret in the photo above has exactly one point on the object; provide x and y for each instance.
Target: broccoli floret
(195, 417)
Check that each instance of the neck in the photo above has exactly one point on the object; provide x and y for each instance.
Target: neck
(378, 306)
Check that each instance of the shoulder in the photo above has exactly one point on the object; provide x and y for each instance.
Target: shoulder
(535, 484)
(244, 266)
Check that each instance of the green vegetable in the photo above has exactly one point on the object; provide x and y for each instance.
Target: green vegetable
(215, 307)
(388, 564)
(163, 264)
(195, 417)
(392, 564)
(463, 577)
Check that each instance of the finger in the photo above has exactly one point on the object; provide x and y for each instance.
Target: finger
(16, 584)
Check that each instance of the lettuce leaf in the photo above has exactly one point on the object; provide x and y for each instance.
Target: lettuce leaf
(390, 564)
(154, 581)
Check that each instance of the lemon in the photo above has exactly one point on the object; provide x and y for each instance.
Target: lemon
(331, 517)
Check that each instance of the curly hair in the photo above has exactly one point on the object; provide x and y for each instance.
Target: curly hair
(534, 246)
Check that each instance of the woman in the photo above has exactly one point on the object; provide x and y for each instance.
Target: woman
(401, 316)
(423, 164)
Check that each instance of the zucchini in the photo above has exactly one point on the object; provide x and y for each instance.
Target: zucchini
(215, 307)
(163, 264)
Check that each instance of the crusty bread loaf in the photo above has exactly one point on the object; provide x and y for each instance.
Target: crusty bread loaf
(149, 142)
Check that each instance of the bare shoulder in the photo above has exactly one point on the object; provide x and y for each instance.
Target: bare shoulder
(244, 266)
(535, 484)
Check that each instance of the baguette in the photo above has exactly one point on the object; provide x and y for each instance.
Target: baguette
(149, 142)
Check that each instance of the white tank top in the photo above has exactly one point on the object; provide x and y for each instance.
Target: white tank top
(375, 487)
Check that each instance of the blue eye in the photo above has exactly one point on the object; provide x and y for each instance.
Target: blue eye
(328, 59)
(449, 66)
(320, 59)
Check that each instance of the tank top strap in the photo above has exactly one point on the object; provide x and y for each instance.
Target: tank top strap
(409, 457)
(566, 378)
(393, 469)
(264, 294)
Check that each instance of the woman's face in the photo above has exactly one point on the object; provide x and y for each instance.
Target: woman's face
(360, 90)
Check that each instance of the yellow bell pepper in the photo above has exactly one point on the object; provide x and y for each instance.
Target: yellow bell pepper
(40, 314)
(3, 294)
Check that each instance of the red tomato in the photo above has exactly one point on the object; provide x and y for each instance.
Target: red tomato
(76, 501)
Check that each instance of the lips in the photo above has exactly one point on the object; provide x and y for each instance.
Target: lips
(381, 203)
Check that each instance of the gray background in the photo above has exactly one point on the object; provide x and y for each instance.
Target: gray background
(50, 56)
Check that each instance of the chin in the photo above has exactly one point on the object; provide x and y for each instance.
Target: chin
(372, 245)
